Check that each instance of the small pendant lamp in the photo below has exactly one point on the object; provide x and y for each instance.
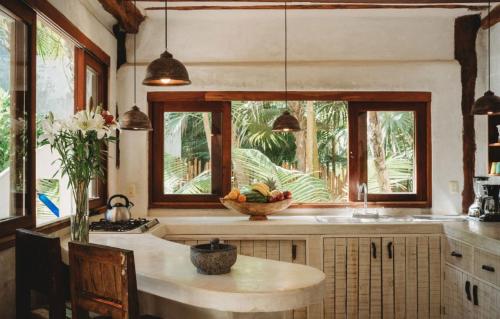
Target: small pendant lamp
(135, 119)
(166, 71)
(489, 103)
(286, 122)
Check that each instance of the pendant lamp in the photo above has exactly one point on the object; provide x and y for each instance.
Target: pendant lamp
(489, 103)
(166, 71)
(286, 122)
(135, 119)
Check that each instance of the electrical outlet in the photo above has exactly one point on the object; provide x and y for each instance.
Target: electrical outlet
(453, 187)
(132, 190)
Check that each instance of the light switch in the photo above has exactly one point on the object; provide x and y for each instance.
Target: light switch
(453, 187)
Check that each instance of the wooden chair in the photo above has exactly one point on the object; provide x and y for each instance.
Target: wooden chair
(103, 282)
(39, 268)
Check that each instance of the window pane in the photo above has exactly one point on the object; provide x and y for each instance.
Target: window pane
(92, 99)
(13, 116)
(312, 163)
(91, 86)
(391, 143)
(54, 93)
(187, 154)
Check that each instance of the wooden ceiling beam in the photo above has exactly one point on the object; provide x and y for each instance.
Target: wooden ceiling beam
(493, 19)
(129, 17)
(319, 7)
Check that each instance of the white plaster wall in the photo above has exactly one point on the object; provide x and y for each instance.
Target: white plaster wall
(338, 50)
(97, 32)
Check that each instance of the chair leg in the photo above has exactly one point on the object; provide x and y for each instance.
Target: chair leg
(23, 303)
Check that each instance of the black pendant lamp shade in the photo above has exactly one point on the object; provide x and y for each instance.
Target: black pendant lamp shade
(135, 120)
(286, 122)
(166, 71)
(489, 103)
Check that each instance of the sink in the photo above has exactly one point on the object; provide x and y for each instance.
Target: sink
(441, 218)
(358, 218)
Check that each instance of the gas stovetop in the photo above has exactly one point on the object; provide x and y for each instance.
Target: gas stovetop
(131, 226)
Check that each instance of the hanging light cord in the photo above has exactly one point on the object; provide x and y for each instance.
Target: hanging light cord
(286, 55)
(489, 45)
(166, 23)
(135, 62)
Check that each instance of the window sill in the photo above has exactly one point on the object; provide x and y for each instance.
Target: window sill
(50, 227)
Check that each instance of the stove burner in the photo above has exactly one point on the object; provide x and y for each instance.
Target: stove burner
(124, 226)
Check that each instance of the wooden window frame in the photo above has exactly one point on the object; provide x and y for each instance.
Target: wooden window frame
(358, 152)
(8, 226)
(220, 153)
(84, 59)
(423, 199)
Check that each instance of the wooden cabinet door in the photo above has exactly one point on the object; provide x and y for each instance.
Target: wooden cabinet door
(388, 277)
(453, 293)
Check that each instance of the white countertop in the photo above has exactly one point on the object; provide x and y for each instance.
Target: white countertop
(164, 269)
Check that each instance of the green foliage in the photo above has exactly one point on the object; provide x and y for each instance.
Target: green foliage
(5, 123)
(50, 44)
(201, 184)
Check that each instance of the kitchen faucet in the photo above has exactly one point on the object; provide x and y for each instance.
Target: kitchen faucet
(363, 189)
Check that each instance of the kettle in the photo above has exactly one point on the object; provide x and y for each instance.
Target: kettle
(118, 212)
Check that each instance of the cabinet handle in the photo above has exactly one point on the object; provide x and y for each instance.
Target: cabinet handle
(467, 290)
(474, 294)
(455, 254)
(389, 249)
(294, 252)
(374, 250)
(488, 268)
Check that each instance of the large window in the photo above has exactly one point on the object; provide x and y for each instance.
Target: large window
(344, 142)
(16, 103)
(46, 65)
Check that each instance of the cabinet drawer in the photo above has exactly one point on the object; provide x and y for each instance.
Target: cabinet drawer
(487, 266)
(459, 254)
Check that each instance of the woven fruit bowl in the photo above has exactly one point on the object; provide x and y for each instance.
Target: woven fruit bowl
(257, 211)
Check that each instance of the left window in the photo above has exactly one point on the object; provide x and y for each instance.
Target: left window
(17, 39)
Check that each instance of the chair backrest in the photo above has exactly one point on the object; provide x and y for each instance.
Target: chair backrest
(102, 281)
(39, 267)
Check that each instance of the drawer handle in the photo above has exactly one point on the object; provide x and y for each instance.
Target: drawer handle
(488, 268)
(467, 290)
(374, 250)
(456, 254)
(294, 252)
(389, 249)
(474, 294)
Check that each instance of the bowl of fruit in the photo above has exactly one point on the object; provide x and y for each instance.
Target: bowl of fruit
(257, 200)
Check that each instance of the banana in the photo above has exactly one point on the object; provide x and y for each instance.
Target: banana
(261, 188)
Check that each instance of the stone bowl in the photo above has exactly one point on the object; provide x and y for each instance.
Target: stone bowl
(213, 258)
(257, 211)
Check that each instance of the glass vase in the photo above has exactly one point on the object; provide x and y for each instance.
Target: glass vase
(80, 213)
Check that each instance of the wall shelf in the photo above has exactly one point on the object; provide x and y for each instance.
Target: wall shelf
(493, 142)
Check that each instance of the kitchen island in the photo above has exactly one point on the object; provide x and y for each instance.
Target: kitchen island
(171, 287)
